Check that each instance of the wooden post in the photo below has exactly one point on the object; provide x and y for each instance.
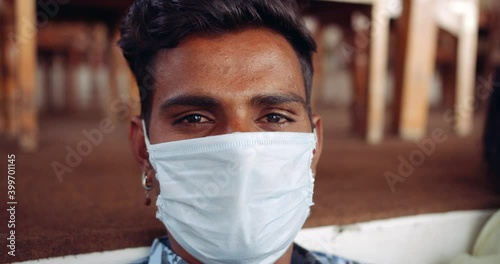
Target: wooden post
(25, 15)
(10, 52)
(493, 41)
(448, 76)
(378, 69)
(317, 31)
(418, 68)
(97, 50)
(11, 91)
(45, 85)
(3, 90)
(466, 70)
(114, 62)
(135, 98)
(70, 92)
(359, 65)
(399, 64)
(49, 90)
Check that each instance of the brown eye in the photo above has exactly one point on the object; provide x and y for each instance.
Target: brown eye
(275, 118)
(275, 121)
(193, 119)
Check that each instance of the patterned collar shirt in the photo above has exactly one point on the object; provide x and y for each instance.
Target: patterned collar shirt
(161, 253)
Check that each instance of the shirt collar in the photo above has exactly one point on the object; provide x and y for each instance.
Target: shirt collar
(161, 252)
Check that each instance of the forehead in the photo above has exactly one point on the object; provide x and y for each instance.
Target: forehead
(242, 62)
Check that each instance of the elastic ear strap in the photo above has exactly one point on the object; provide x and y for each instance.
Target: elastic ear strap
(146, 139)
(315, 136)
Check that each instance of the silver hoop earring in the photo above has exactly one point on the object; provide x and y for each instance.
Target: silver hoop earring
(147, 188)
(145, 183)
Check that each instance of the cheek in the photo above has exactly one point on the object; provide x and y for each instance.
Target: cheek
(160, 130)
(305, 124)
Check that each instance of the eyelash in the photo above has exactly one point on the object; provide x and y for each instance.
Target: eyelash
(185, 118)
(287, 119)
(181, 120)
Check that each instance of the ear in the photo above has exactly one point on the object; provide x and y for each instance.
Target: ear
(136, 138)
(318, 128)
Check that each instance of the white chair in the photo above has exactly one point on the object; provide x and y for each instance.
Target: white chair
(460, 18)
(416, 61)
(379, 36)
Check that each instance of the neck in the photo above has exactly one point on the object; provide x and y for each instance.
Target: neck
(177, 249)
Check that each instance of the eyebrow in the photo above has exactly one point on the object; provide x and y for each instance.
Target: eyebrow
(277, 99)
(189, 100)
(206, 101)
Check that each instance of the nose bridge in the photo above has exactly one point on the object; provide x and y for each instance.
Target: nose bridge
(239, 119)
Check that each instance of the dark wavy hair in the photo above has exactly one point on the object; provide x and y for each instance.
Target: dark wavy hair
(152, 25)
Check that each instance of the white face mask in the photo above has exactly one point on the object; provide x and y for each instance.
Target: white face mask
(235, 198)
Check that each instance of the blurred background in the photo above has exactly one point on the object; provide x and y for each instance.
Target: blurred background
(404, 88)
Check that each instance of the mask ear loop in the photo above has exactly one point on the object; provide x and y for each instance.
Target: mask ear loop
(145, 183)
(315, 143)
(146, 138)
(313, 175)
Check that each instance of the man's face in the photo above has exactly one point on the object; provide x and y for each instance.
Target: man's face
(249, 81)
(241, 82)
